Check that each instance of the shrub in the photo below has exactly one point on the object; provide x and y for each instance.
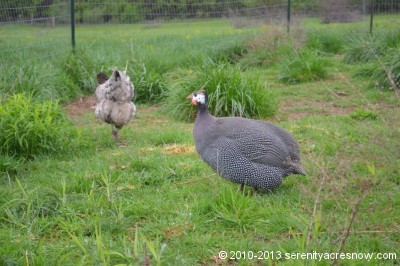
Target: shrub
(303, 66)
(29, 128)
(229, 93)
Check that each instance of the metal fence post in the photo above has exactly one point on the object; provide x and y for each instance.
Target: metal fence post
(73, 24)
(371, 22)
(288, 17)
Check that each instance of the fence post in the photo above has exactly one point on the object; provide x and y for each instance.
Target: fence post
(73, 24)
(288, 17)
(371, 22)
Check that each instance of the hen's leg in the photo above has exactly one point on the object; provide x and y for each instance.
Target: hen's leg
(115, 132)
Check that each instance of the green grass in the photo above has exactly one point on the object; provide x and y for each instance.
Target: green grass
(229, 93)
(31, 128)
(379, 56)
(303, 66)
(152, 200)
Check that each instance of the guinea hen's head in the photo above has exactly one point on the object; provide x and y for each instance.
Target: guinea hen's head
(199, 98)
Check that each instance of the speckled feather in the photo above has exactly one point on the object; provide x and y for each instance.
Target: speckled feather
(246, 151)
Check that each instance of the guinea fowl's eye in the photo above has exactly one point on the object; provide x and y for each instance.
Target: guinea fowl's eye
(195, 94)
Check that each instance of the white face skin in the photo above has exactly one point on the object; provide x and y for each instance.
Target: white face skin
(199, 98)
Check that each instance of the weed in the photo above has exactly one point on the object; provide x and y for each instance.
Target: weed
(363, 114)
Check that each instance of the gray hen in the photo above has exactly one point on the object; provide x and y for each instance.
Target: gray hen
(114, 100)
(244, 151)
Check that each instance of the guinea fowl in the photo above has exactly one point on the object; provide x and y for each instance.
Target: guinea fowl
(245, 151)
(114, 100)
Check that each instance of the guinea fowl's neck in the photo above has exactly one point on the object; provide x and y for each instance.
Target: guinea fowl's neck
(204, 124)
(203, 110)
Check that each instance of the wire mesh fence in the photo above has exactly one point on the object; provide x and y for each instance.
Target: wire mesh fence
(41, 28)
(33, 29)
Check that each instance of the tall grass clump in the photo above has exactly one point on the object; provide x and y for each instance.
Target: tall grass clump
(366, 48)
(29, 128)
(231, 54)
(362, 49)
(387, 72)
(41, 81)
(303, 66)
(81, 68)
(382, 52)
(229, 93)
(330, 42)
(150, 86)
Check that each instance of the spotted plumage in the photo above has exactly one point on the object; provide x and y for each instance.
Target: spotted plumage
(245, 151)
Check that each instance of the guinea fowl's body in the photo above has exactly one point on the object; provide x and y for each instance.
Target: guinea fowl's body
(246, 151)
(114, 100)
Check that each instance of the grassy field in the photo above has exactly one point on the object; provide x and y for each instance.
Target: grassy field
(150, 199)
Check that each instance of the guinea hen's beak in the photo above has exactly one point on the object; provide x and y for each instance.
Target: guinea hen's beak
(191, 97)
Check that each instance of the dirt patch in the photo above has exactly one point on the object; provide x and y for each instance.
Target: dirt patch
(81, 105)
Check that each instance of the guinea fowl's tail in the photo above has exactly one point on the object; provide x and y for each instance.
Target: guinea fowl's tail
(298, 169)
